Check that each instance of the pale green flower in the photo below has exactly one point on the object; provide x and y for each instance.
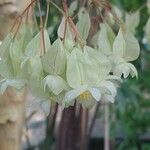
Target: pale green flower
(88, 76)
(132, 21)
(125, 49)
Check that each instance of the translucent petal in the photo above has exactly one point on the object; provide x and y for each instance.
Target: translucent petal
(37, 89)
(35, 68)
(106, 39)
(132, 21)
(109, 86)
(72, 95)
(64, 25)
(55, 83)
(4, 47)
(95, 92)
(73, 7)
(122, 69)
(84, 23)
(132, 51)
(35, 46)
(101, 63)
(133, 70)
(88, 103)
(109, 98)
(6, 70)
(4, 84)
(119, 45)
(54, 61)
(74, 70)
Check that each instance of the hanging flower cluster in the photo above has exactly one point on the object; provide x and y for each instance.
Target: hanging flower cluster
(69, 70)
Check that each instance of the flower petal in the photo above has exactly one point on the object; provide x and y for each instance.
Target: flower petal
(72, 95)
(109, 86)
(133, 70)
(109, 98)
(55, 83)
(95, 93)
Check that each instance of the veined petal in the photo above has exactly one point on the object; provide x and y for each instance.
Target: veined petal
(109, 98)
(95, 92)
(55, 83)
(132, 51)
(119, 45)
(113, 77)
(122, 69)
(133, 70)
(109, 86)
(72, 95)
(88, 103)
(103, 41)
(132, 20)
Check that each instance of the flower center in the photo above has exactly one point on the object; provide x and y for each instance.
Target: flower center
(85, 96)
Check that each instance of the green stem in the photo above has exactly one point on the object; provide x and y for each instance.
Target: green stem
(57, 7)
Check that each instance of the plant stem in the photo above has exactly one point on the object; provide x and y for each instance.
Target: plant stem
(68, 132)
(47, 14)
(106, 128)
(22, 14)
(42, 28)
(59, 9)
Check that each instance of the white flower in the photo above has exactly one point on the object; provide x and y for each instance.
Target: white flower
(125, 49)
(85, 95)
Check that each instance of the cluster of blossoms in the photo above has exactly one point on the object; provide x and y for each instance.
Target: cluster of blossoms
(69, 70)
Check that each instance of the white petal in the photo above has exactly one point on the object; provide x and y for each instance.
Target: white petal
(95, 93)
(109, 98)
(55, 83)
(132, 51)
(112, 77)
(71, 95)
(88, 103)
(103, 41)
(126, 71)
(119, 45)
(133, 70)
(109, 86)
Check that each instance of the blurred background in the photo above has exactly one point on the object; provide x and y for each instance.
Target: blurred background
(129, 115)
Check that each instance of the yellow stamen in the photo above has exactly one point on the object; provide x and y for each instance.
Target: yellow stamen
(85, 96)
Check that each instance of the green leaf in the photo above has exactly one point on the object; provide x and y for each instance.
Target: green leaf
(54, 61)
(84, 23)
